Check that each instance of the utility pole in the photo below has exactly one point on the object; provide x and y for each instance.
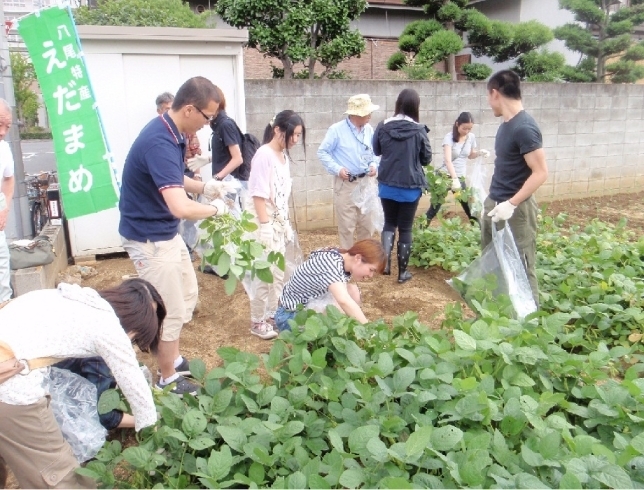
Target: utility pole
(19, 218)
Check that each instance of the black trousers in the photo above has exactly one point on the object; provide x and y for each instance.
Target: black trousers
(399, 215)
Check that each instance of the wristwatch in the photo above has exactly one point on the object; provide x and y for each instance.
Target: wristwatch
(216, 177)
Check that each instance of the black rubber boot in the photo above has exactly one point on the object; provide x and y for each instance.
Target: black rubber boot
(387, 240)
(468, 213)
(404, 251)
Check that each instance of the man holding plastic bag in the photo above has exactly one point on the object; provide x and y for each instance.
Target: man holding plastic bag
(520, 168)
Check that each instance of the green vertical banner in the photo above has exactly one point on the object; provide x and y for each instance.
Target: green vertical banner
(85, 173)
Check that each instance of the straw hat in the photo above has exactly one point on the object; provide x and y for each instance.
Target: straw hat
(360, 105)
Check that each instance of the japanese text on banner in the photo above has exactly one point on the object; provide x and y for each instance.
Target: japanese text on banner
(84, 164)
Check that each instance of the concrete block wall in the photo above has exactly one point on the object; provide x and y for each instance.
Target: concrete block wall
(593, 135)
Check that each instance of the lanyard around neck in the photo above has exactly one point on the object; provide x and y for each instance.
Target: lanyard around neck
(169, 128)
(366, 146)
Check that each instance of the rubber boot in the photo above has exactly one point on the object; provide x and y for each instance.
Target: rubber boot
(432, 212)
(404, 251)
(387, 240)
(472, 219)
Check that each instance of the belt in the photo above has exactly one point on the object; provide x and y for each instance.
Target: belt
(353, 178)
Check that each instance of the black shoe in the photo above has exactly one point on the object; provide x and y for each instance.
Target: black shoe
(182, 369)
(182, 387)
(210, 270)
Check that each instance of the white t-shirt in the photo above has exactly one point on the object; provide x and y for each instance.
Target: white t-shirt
(460, 152)
(6, 160)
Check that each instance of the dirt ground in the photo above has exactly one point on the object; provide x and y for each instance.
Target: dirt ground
(223, 320)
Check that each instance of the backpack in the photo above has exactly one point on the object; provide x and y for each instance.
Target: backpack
(249, 146)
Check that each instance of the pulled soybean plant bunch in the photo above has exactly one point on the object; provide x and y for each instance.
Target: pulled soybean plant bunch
(231, 251)
(440, 183)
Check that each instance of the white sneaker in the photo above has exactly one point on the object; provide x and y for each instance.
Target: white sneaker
(263, 330)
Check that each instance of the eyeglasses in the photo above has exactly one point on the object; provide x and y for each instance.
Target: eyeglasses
(207, 118)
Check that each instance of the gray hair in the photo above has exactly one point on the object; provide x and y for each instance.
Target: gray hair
(164, 98)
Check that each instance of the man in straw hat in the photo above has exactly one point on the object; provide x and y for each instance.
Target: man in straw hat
(347, 153)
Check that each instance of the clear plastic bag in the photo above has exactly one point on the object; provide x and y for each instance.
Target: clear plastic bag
(320, 303)
(478, 179)
(502, 259)
(365, 197)
(73, 401)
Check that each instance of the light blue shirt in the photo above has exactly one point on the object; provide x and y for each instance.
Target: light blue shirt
(345, 146)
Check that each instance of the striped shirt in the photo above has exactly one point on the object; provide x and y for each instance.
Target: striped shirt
(313, 278)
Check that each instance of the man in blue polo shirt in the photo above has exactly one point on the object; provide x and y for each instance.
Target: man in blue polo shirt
(347, 153)
(153, 201)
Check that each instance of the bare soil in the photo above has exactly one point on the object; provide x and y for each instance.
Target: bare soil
(223, 320)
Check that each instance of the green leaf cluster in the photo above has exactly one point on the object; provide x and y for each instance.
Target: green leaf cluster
(24, 77)
(476, 71)
(230, 250)
(486, 402)
(440, 36)
(450, 246)
(299, 31)
(593, 273)
(605, 39)
(141, 13)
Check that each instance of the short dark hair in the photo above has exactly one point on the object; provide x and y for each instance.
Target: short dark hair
(287, 121)
(196, 91)
(162, 99)
(507, 83)
(463, 118)
(408, 104)
(132, 301)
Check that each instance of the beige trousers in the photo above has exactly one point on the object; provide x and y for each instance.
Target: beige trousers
(353, 226)
(33, 447)
(167, 266)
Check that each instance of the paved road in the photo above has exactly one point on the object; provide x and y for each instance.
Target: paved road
(38, 155)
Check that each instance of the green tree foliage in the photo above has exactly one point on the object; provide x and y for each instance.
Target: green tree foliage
(299, 31)
(541, 66)
(141, 13)
(476, 71)
(604, 39)
(24, 78)
(440, 37)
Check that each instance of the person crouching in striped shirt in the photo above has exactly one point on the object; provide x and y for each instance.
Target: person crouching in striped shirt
(324, 279)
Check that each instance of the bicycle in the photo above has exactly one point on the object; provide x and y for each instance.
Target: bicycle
(37, 185)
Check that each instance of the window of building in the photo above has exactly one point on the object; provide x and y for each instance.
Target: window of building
(15, 3)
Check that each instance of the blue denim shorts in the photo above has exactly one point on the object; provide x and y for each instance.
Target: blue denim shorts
(282, 317)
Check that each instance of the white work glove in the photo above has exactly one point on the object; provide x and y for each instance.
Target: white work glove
(288, 232)
(198, 161)
(484, 153)
(266, 235)
(219, 188)
(456, 185)
(220, 206)
(503, 211)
